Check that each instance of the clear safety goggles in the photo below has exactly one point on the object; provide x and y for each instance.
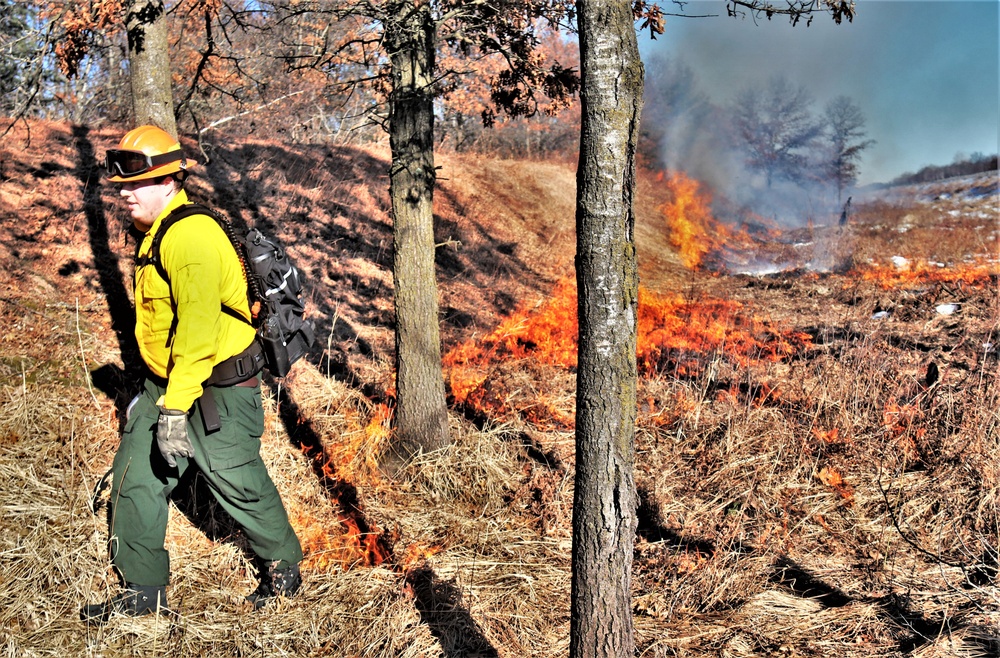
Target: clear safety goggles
(132, 163)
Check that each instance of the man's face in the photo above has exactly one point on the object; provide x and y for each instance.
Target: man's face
(146, 199)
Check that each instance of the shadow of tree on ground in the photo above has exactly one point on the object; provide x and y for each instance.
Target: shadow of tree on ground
(913, 630)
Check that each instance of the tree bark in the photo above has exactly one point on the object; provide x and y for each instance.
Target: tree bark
(149, 64)
(421, 412)
(604, 507)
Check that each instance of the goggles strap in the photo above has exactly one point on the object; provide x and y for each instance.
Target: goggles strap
(112, 161)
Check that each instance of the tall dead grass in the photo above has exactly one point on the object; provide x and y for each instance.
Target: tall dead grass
(468, 574)
(851, 512)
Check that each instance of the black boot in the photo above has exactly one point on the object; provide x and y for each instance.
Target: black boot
(135, 601)
(275, 582)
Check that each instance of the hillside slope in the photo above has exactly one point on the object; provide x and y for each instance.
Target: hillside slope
(505, 229)
(816, 447)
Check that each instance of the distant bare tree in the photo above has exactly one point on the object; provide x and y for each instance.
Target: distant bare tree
(846, 125)
(19, 54)
(55, 66)
(69, 58)
(795, 10)
(776, 130)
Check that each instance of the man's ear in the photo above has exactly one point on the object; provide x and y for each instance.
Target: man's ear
(172, 186)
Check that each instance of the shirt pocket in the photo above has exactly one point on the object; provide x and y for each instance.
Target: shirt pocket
(154, 298)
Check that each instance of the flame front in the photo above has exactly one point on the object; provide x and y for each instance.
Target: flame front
(696, 234)
(917, 272)
(338, 465)
(674, 337)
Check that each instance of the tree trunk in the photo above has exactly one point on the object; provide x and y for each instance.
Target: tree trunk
(421, 413)
(604, 506)
(149, 64)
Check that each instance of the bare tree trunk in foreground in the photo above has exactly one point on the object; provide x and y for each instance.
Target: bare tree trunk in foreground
(604, 506)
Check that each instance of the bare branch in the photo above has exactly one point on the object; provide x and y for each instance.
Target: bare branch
(219, 122)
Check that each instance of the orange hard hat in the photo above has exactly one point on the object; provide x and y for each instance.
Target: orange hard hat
(146, 152)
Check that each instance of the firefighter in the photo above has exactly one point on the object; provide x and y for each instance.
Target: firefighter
(200, 405)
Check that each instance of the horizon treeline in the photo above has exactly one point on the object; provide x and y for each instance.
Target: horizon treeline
(963, 165)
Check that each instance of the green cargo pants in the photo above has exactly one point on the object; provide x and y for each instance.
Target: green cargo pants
(229, 459)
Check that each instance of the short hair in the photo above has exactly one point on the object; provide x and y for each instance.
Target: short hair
(178, 178)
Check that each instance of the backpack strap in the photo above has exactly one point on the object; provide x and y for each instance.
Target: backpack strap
(153, 256)
(176, 215)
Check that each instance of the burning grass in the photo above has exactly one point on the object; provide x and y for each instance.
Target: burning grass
(800, 482)
(702, 241)
(904, 273)
(676, 338)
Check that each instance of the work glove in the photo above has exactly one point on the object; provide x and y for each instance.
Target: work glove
(172, 435)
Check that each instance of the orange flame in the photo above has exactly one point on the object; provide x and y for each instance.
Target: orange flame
(974, 274)
(830, 436)
(378, 429)
(898, 418)
(325, 547)
(832, 478)
(546, 332)
(694, 231)
(674, 335)
(416, 554)
(359, 542)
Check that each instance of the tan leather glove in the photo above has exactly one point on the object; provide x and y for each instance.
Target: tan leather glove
(172, 435)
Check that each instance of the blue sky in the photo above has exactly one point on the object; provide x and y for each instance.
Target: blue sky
(925, 73)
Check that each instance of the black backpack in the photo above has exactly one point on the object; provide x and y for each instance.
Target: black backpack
(274, 289)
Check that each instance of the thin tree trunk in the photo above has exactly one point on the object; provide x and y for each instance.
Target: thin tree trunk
(421, 413)
(604, 506)
(149, 64)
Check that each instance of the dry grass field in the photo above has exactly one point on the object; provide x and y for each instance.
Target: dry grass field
(816, 452)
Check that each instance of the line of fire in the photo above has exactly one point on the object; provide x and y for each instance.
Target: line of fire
(726, 350)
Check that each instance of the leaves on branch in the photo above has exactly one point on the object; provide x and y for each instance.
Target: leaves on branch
(651, 16)
(79, 23)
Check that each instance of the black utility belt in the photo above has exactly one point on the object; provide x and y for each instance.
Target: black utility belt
(234, 371)
(238, 369)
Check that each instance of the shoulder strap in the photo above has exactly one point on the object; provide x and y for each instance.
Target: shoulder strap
(183, 212)
(176, 215)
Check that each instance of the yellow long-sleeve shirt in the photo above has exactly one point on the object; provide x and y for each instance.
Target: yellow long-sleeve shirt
(204, 275)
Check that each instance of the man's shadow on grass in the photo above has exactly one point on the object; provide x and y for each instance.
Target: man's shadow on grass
(439, 602)
(119, 383)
